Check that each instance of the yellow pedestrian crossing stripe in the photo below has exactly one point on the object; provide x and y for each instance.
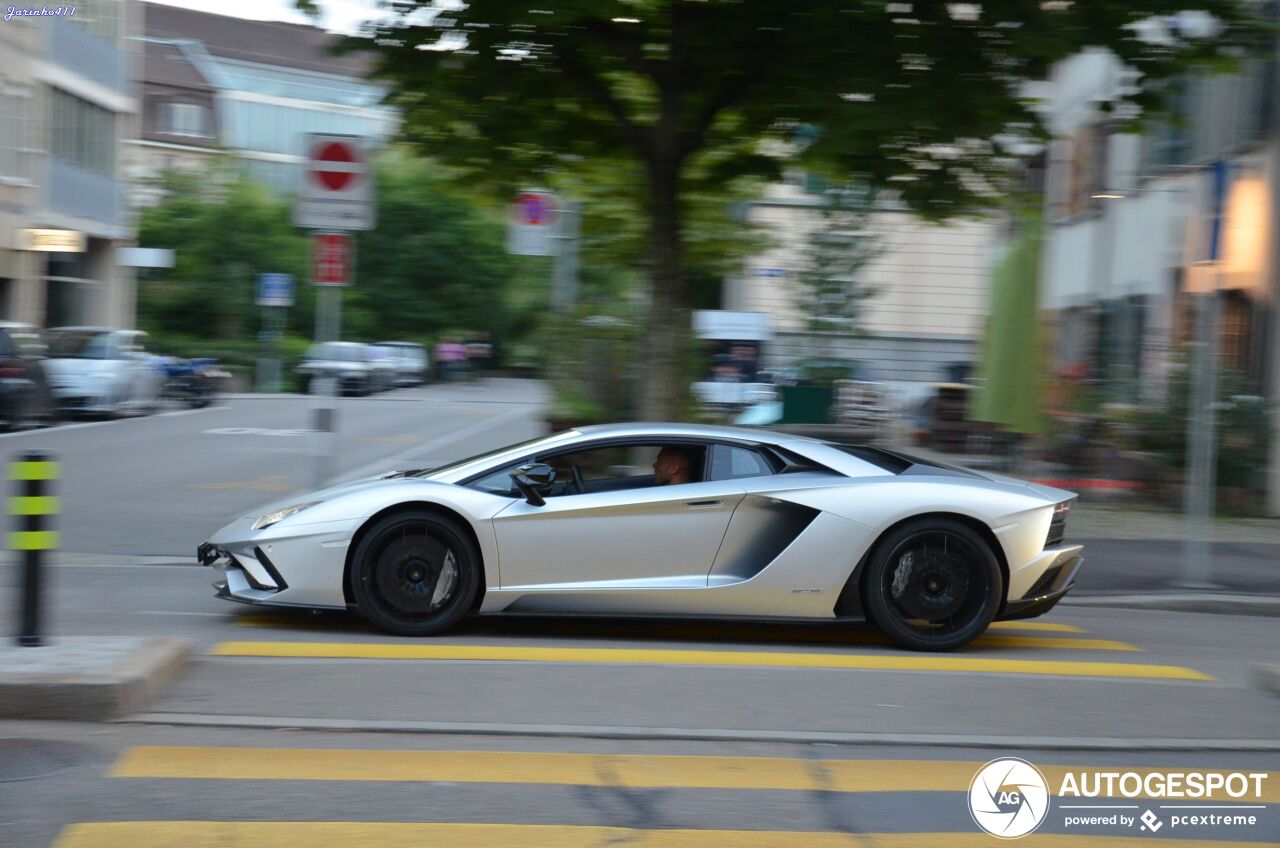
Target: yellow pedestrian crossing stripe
(619, 770)
(1006, 638)
(646, 656)
(1036, 626)
(241, 834)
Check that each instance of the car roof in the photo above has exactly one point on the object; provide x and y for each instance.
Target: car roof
(699, 431)
(88, 329)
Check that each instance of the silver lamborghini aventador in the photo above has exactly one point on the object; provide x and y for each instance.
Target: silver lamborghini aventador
(666, 520)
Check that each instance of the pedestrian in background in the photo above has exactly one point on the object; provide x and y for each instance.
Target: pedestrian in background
(452, 358)
(479, 352)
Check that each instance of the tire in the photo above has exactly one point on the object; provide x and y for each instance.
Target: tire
(398, 569)
(933, 585)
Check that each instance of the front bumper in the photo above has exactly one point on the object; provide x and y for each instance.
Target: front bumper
(300, 566)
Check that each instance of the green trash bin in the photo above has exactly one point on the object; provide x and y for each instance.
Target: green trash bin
(807, 404)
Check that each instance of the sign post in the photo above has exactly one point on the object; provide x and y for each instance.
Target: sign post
(275, 296)
(1202, 426)
(336, 197)
(542, 224)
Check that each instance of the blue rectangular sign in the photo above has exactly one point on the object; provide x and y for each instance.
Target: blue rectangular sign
(275, 290)
(1221, 175)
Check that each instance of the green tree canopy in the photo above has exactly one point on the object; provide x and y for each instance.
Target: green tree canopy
(434, 264)
(906, 96)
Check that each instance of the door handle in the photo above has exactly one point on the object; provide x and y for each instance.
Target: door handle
(712, 502)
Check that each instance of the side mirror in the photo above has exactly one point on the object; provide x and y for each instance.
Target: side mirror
(534, 481)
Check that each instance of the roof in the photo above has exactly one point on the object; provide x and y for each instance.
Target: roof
(266, 42)
(704, 431)
(167, 64)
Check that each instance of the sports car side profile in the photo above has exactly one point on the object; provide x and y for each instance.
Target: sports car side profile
(592, 521)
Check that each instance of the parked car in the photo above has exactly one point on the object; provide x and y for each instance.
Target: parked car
(347, 363)
(102, 370)
(25, 398)
(384, 367)
(413, 365)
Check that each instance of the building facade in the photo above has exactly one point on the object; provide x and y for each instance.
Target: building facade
(1129, 242)
(215, 85)
(931, 289)
(67, 107)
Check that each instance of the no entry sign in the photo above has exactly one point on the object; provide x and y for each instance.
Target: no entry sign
(331, 259)
(336, 190)
(337, 166)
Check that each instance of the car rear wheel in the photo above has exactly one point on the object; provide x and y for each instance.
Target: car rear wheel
(933, 585)
(415, 574)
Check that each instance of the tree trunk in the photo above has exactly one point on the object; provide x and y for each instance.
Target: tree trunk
(663, 389)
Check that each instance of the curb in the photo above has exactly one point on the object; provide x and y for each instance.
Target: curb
(801, 737)
(1268, 678)
(1259, 605)
(94, 694)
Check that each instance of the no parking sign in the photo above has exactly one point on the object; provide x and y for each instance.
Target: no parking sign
(532, 225)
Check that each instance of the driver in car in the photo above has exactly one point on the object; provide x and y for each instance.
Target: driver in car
(671, 466)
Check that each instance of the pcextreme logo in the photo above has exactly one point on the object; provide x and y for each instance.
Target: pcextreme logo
(1009, 797)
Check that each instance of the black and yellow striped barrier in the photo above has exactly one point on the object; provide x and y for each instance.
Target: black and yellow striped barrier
(33, 507)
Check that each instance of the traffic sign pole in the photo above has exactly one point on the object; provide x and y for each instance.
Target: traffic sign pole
(1202, 426)
(336, 194)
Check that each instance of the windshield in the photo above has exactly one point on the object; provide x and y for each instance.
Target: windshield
(337, 352)
(80, 344)
(426, 472)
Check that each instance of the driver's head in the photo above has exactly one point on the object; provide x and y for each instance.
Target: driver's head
(671, 466)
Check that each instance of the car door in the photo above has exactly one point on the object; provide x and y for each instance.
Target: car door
(643, 536)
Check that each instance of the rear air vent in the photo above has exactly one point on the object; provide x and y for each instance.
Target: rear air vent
(1058, 526)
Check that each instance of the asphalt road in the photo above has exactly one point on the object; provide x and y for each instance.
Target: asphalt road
(295, 730)
(159, 485)
(608, 731)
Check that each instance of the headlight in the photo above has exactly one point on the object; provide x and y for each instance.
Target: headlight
(281, 514)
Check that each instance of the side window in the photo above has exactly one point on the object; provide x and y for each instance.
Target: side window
(729, 462)
(609, 468)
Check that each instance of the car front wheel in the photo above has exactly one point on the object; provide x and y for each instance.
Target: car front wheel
(415, 574)
(933, 585)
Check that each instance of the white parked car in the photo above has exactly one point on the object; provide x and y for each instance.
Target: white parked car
(412, 364)
(102, 370)
(349, 365)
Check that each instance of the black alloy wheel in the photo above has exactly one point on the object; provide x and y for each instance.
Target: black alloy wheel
(415, 574)
(933, 585)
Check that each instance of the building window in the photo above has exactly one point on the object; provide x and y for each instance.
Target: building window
(81, 133)
(15, 106)
(188, 119)
(100, 17)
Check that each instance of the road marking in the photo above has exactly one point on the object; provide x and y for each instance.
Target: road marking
(709, 632)
(255, 431)
(213, 834)
(1037, 626)
(60, 428)
(644, 656)
(623, 770)
(1000, 640)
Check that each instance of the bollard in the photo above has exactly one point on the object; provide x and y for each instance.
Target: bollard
(32, 471)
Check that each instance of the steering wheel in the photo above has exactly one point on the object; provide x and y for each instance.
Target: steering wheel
(578, 481)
